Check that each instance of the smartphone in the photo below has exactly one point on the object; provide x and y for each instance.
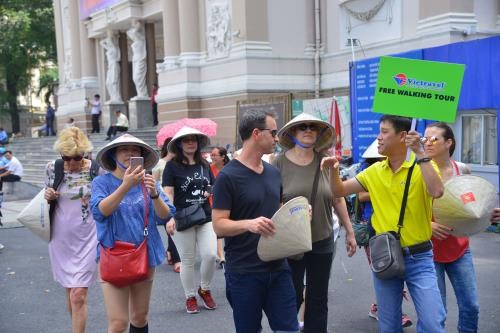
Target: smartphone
(136, 161)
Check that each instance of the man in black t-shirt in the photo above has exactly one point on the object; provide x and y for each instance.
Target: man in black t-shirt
(247, 193)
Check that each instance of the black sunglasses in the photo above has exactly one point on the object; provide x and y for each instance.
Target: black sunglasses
(74, 158)
(304, 127)
(272, 131)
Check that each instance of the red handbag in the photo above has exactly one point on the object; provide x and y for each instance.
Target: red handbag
(124, 264)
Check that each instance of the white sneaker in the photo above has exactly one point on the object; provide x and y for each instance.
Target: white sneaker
(1, 246)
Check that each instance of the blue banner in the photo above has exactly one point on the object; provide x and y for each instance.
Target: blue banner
(363, 77)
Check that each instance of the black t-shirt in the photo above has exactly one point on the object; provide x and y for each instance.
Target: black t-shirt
(189, 183)
(247, 195)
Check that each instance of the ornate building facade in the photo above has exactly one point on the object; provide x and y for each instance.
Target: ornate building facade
(209, 56)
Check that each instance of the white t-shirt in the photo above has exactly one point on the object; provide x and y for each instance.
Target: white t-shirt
(96, 107)
(122, 120)
(15, 167)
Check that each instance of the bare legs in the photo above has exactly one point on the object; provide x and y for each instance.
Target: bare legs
(77, 307)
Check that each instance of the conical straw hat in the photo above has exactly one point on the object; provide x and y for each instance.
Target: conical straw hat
(106, 161)
(292, 224)
(372, 151)
(185, 131)
(466, 205)
(324, 141)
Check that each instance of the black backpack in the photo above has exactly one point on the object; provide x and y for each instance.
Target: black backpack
(59, 176)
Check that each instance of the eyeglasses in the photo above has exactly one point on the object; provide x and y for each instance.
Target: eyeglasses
(304, 127)
(432, 140)
(76, 158)
(273, 132)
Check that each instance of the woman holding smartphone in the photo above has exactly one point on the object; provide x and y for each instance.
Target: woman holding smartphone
(186, 179)
(118, 202)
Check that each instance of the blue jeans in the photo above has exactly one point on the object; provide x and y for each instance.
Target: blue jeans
(250, 293)
(463, 279)
(420, 278)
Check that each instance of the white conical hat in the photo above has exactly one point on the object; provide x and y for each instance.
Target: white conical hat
(326, 137)
(185, 131)
(372, 151)
(292, 224)
(466, 205)
(105, 158)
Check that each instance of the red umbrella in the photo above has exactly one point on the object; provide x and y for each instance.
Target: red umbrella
(204, 125)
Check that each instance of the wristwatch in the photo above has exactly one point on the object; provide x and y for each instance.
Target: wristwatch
(423, 160)
(155, 196)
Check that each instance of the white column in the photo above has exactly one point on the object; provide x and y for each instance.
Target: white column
(171, 42)
(88, 58)
(59, 38)
(74, 27)
(189, 30)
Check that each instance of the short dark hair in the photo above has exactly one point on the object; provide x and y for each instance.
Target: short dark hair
(223, 153)
(8, 151)
(448, 134)
(97, 96)
(251, 119)
(116, 111)
(399, 123)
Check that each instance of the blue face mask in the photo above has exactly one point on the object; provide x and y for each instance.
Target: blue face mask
(118, 163)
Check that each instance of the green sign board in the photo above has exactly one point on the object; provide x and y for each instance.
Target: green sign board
(418, 88)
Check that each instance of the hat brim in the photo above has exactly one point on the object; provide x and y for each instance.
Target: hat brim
(325, 141)
(202, 139)
(105, 158)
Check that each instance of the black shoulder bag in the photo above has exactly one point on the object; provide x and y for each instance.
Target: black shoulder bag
(386, 256)
(190, 216)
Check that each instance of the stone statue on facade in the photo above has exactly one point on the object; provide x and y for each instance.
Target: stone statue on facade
(113, 74)
(139, 65)
(218, 30)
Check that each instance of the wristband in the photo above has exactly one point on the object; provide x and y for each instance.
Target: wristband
(155, 196)
(423, 160)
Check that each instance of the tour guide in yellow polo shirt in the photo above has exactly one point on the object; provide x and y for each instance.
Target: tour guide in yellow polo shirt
(385, 183)
(386, 190)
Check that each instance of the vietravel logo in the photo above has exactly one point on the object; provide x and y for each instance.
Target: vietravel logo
(402, 79)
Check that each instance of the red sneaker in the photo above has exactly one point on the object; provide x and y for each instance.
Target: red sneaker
(192, 305)
(208, 301)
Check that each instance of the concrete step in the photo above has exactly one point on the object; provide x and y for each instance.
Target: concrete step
(35, 153)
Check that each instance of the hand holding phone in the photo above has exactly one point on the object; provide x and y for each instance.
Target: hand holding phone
(135, 162)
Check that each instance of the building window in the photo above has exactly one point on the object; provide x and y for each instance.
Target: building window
(479, 139)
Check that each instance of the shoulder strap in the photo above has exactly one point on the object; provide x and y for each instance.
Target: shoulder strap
(315, 186)
(58, 173)
(58, 178)
(94, 169)
(405, 197)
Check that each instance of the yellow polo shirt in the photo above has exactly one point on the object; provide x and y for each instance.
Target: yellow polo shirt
(386, 190)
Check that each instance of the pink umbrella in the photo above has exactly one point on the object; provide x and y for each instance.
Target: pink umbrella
(204, 125)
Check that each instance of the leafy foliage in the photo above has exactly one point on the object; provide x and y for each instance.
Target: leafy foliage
(27, 41)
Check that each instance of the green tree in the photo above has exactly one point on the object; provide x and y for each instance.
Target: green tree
(27, 40)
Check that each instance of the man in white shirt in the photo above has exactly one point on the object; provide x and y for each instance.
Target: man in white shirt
(121, 125)
(95, 112)
(12, 171)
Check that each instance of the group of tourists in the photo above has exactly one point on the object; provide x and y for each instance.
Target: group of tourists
(233, 201)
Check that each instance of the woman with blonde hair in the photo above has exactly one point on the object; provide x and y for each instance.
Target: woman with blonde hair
(73, 233)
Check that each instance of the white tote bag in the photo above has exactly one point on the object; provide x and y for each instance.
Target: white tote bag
(35, 216)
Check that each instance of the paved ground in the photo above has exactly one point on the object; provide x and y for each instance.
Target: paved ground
(31, 302)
